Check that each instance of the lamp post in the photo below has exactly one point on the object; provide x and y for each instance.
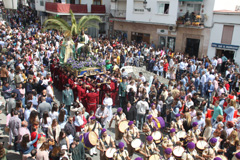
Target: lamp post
(145, 6)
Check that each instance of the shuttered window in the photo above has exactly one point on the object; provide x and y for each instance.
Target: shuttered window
(227, 34)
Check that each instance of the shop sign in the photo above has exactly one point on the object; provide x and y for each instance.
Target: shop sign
(225, 46)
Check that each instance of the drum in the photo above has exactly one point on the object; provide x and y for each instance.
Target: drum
(181, 135)
(157, 136)
(160, 123)
(89, 139)
(178, 152)
(200, 146)
(109, 153)
(154, 157)
(123, 125)
(136, 144)
(222, 157)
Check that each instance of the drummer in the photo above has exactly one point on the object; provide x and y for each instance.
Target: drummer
(148, 148)
(194, 133)
(130, 134)
(237, 156)
(121, 153)
(104, 142)
(178, 125)
(149, 127)
(93, 126)
(191, 153)
(168, 154)
(171, 140)
(120, 116)
(210, 152)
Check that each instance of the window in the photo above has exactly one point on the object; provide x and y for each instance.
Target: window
(163, 8)
(97, 2)
(166, 41)
(227, 34)
(41, 3)
(171, 43)
(196, 8)
(102, 28)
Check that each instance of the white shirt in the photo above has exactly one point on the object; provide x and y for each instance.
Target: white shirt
(203, 79)
(108, 101)
(49, 122)
(143, 79)
(49, 91)
(78, 121)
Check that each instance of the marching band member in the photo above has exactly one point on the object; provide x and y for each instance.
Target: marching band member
(149, 127)
(171, 140)
(120, 116)
(167, 154)
(194, 133)
(130, 134)
(191, 153)
(210, 152)
(104, 142)
(121, 153)
(148, 148)
(237, 156)
(93, 126)
(178, 125)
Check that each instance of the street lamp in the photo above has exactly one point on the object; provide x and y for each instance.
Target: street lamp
(145, 6)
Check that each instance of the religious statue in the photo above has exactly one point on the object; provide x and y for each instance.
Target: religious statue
(67, 50)
(82, 46)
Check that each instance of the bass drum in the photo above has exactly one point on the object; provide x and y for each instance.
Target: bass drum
(157, 137)
(154, 157)
(136, 144)
(109, 153)
(178, 152)
(123, 125)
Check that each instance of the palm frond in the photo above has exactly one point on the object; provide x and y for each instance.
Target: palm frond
(87, 19)
(59, 21)
(52, 26)
(91, 25)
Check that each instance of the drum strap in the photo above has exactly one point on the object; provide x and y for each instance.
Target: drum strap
(93, 127)
(121, 156)
(190, 154)
(151, 128)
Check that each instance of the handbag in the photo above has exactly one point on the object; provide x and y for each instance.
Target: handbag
(7, 129)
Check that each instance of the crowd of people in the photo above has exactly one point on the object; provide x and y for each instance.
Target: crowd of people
(193, 116)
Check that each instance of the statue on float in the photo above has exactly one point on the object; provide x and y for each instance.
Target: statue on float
(83, 48)
(67, 49)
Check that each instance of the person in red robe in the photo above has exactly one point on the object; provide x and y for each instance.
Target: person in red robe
(81, 90)
(71, 81)
(91, 99)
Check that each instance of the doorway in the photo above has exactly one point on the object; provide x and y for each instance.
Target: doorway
(227, 53)
(140, 37)
(192, 47)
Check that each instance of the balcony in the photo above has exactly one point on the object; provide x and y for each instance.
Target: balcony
(191, 21)
(118, 13)
(98, 9)
(65, 8)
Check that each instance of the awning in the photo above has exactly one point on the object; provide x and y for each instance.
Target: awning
(190, 0)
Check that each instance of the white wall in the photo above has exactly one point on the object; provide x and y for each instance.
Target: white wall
(152, 16)
(226, 4)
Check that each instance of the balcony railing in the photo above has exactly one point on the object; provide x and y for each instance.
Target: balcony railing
(65, 8)
(98, 9)
(118, 13)
(191, 20)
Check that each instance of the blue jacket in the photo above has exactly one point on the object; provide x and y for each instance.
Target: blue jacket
(207, 87)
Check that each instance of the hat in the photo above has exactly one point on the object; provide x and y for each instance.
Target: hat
(93, 117)
(149, 116)
(213, 140)
(217, 158)
(119, 109)
(237, 155)
(149, 138)
(194, 124)
(191, 145)
(64, 147)
(120, 145)
(130, 123)
(67, 85)
(168, 151)
(172, 130)
(177, 115)
(103, 130)
(138, 158)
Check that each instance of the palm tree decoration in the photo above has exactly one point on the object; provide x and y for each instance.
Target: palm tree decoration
(75, 28)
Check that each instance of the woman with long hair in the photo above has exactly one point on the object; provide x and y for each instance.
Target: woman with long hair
(63, 139)
(230, 110)
(42, 152)
(54, 113)
(187, 122)
(45, 122)
(207, 131)
(20, 110)
(232, 141)
(62, 118)
(26, 146)
(54, 130)
(54, 153)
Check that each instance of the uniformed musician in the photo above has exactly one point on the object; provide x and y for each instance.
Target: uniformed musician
(130, 134)
(120, 116)
(210, 151)
(191, 153)
(194, 133)
(121, 153)
(171, 140)
(104, 142)
(167, 155)
(93, 126)
(149, 148)
(149, 127)
(178, 124)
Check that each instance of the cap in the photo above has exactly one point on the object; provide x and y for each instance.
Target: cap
(191, 145)
(149, 116)
(67, 85)
(138, 158)
(213, 140)
(168, 151)
(172, 130)
(177, 115)
(120, 145)
(237, 155)
(194, 124)
(119, 109)
(130, 123)
(149, 138)
(217, 158)
(103, 130)
(93, 117)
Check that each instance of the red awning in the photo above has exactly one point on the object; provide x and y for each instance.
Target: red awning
(65, 8)
(98, 9)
